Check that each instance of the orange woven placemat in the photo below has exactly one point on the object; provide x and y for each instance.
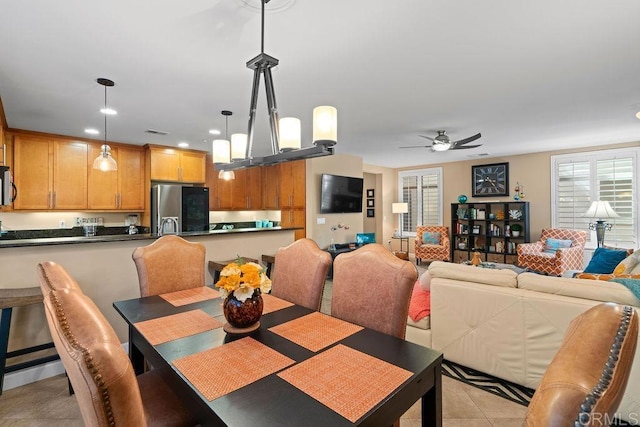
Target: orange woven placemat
(231, 366)
(169, 328)
(272, 303)
(189, 296)
(315, 331)
(345, 380)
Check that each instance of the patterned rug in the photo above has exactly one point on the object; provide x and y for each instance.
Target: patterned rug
(513, 392)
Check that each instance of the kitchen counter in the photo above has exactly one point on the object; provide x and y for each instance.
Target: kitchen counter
(48, 241)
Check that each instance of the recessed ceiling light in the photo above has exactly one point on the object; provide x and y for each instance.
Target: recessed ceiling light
(214, 132)
(638, 114)
(92, 131)
(108, 111)
(183, 144)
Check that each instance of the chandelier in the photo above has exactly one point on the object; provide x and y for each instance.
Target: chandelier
(285, 132)
(105, 161)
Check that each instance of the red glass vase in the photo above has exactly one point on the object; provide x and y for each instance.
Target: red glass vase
(243, 314)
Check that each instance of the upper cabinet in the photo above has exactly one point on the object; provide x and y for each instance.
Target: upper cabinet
(50, 174)
(292, 184)
(169, 164)
(242, 193)
(270, 186)
(117, 190)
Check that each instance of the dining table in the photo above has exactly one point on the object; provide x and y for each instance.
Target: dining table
(299, 367)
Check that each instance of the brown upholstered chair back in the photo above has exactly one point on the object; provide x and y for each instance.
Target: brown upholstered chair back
(98, 367)
(170, 264)
(586, 379)
(299, 273)
(372, 288)
(53, 276)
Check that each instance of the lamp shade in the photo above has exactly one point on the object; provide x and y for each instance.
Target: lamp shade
(325, 124)
(397, 208)
(105, 162)
(221, 151)
(238, 146)
(290, 134)
(601, 209)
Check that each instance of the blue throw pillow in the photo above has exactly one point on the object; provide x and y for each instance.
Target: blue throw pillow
(431, 237)
(552, 245)
(604, 261)
(364, 238)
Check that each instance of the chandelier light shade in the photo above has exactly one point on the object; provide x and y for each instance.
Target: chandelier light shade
(600, 210)
(290, 134)
(238, 146)
(105, 161)
(325, 125)
(221, 151)
(284, 146)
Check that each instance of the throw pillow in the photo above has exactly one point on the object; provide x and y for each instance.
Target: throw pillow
(604, 261)
(425, 281)
(420, 305)
(552, 245)
(628, 264)
(632, 284)
(431, 237)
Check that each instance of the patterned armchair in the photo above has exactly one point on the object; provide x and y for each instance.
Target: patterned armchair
(432, 250)
(554, 263)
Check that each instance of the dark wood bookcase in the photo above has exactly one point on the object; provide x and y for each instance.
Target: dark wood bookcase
(488, 228)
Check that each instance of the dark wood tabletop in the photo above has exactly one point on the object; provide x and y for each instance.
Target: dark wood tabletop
(272, 401)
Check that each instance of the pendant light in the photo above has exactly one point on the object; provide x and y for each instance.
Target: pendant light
(222, 149)
(105, 162)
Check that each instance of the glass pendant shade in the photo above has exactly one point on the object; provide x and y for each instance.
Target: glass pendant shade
(226, 175)
(290, 134)
(105, 162)
(325, 124)
(221, 151)
(238, 146)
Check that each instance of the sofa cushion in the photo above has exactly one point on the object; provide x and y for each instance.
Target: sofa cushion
(469, 273)
(552, 245)
(596, 290)
(424, 323)
(604, 261)
(431, 237)
(420, 304)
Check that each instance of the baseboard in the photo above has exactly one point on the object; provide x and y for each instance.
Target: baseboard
(37, 373)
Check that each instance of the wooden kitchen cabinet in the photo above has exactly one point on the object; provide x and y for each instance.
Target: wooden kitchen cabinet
(117, 190)
(292, 192)
(253, 187)
(294, 218)
(270, 186)
(169, 164)
(50, 174)
(242, 193)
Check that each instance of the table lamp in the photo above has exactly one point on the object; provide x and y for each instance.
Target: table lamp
(600, 210)
(400, 208)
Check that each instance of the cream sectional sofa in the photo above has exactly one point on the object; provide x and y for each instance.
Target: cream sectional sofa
(510, 325)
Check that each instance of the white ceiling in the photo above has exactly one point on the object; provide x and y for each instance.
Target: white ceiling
(529, 75)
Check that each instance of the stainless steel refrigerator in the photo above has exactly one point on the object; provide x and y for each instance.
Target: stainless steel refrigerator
(177, 209)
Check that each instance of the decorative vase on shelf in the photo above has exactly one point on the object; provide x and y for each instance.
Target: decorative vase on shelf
(242, 316)
(462, 198)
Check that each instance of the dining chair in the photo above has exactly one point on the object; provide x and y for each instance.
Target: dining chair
(584, 383)
(299, 273)
(106, 388)
(372, 288)
(169, 264)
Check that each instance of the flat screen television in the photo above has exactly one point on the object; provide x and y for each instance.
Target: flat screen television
(340, 194)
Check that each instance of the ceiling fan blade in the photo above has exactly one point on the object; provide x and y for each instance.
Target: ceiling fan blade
(466, 140)
(417, 146)
(464, 147)
(427, 137)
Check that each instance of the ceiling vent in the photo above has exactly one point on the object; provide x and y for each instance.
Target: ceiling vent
(156, 132)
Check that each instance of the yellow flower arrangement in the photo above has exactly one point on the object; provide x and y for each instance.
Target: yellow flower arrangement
(241, 279)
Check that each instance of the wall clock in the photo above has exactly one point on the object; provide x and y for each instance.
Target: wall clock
(490, 180)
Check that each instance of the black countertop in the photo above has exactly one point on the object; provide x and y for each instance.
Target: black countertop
(48, 241)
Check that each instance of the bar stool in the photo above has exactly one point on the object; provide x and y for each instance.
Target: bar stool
(215, 267)
(269, 260)
(10, 298)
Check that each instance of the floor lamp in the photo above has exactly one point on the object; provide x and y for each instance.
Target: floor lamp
(400, 208)
(600, 210)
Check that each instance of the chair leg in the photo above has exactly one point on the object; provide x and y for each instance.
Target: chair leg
(5, 322)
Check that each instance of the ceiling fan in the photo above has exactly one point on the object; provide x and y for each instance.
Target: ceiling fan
(443, 143)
